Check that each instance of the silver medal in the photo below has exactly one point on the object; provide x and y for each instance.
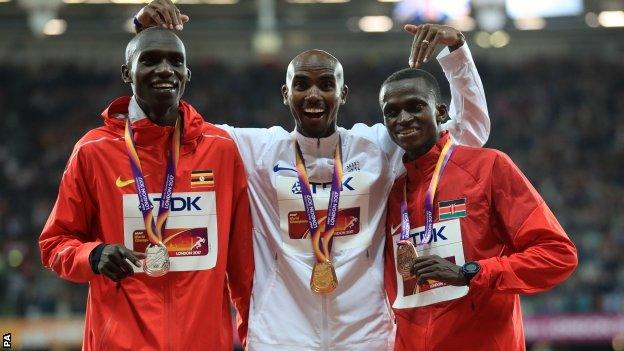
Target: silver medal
(156, 260)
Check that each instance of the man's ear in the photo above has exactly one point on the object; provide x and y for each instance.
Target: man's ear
(441, 113)
(285, 94)
(343, 94)
(188, 75)
(125, 74)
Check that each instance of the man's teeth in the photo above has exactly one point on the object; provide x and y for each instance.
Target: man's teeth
(163, 85)
(313, 110)
(407, 131)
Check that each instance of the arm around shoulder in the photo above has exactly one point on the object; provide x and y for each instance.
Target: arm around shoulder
(469, 122)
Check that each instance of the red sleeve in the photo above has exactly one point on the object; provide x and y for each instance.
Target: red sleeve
(66, 240)
(543, 254)
(240, 267)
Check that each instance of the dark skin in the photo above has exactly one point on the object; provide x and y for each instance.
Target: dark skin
(314, 91)
(158, 74)
(315, 78)
(114, 262)
(413, 117)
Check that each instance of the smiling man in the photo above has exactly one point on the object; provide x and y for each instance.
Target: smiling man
(319, 193)
(158, 188)
(481, 233)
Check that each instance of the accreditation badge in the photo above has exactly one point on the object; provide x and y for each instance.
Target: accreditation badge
(446, 242)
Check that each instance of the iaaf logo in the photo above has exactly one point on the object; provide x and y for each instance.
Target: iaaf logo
(437, 234)
(296, 188)
(182, 203)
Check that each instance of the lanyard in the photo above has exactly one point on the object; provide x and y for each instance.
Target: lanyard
(321, 250)
(446, 153)
(154, 229)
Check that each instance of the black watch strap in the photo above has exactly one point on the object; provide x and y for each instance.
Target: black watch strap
(470, 269)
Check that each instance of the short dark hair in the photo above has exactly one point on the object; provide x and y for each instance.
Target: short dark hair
(133, 44)
(413, 73)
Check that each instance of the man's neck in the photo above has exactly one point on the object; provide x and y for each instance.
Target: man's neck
(415, 154)
(163, 115)
(324, 134)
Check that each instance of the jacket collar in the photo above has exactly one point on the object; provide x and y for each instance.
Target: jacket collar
(424, 166)
(146, 132)
(317, 147)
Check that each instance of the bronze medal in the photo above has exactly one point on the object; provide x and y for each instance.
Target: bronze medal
(323, 280)
(157, 261)
(406, 255)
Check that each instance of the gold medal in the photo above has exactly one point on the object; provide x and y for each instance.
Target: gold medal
(323, 280)
(406, 255)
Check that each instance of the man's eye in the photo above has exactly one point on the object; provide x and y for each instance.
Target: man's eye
(299, 85)
(391, 113)
(328, 85)
(147, 62)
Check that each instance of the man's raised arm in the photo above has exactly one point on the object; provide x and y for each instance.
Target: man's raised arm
(469, 122)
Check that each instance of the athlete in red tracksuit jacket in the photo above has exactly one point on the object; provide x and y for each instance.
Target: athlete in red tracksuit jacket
(208, 232)
(484, 211)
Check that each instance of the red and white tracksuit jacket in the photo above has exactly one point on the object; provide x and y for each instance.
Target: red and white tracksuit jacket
(208, 235)
(493, 215)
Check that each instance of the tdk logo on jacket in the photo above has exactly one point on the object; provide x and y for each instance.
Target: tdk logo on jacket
(181, 203)
(346, 186)
(437, 235)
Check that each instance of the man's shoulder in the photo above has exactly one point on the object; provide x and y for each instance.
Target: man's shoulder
(97, 138)
(476, 160)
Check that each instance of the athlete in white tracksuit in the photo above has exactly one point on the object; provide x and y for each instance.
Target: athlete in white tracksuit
(285, 314)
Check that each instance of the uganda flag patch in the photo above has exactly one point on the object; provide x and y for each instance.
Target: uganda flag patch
(452, 209)
(200, 178)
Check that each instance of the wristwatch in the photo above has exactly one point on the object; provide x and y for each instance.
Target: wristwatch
(470, 269)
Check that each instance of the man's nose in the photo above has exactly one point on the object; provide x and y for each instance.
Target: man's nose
(405, 117)
(314, 94)
(164, 69)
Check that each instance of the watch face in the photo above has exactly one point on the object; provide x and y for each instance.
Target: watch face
(471, 267)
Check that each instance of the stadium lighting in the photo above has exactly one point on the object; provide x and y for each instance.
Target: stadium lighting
(332, 1)
(483, 39)
(16, 257)
(499, 39)
(1, 1)
(533, 23)
(611, 18)
(55, 27)
(591, 19)
(389, 0)
(464, 24)
(301, 1)
(375, 23)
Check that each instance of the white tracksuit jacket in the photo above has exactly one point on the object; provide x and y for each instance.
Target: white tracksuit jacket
(285, 314)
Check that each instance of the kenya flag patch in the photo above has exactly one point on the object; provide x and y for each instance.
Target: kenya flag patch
(452, 209)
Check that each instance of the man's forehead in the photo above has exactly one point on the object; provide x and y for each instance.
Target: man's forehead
(160, 44)
(407, 88)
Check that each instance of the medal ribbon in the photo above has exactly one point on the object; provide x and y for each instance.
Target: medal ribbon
(154, 229)
(446, 153)
(321, 244)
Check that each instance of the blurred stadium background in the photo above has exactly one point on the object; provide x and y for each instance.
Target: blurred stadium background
(553, 75)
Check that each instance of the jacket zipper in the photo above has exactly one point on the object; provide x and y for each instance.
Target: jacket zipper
(324, 336)
(168, 324)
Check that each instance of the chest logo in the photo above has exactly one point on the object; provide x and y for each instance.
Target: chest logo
(202, 178)
(120, 183)
(452, 209)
